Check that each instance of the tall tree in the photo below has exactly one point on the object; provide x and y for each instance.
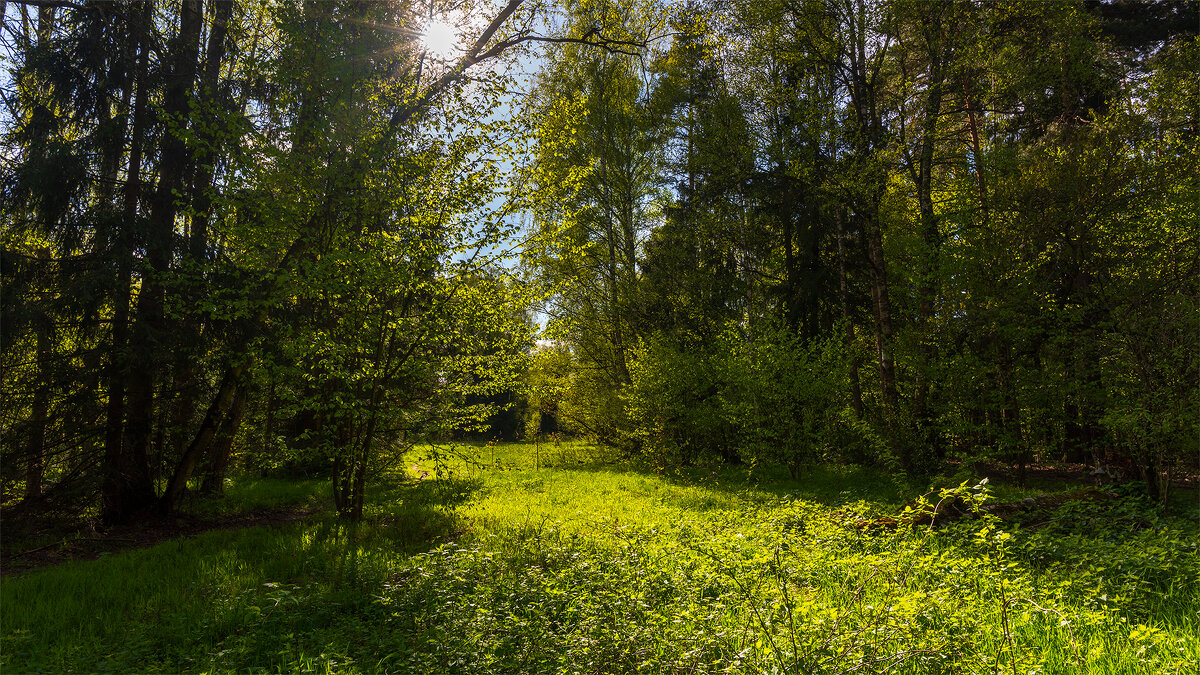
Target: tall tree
(596, 171)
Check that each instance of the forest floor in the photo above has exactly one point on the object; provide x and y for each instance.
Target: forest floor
(82, 538)
(34, 538)
(71, 542)
(520, 558)
(1054, 475)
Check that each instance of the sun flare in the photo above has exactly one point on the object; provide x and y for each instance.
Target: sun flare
(440, 39)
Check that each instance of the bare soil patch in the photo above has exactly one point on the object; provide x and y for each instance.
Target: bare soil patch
(1056, 474)
(89, 543)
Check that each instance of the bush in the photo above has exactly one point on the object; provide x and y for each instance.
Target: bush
(758, 396)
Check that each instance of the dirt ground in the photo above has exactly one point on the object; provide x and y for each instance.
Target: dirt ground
(89, 543)
(1060, 473)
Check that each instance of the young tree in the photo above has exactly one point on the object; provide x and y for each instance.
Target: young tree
(595, 174)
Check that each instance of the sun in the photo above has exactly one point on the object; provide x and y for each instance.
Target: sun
(440, 39)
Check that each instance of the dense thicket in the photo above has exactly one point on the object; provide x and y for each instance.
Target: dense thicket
(905, 232)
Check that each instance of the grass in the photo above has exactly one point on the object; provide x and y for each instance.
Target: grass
(578, 486)
(517, 558)
(252, 493)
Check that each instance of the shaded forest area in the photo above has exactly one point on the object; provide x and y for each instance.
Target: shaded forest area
(293, 238)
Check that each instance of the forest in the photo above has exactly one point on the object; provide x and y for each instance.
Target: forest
(601, 336)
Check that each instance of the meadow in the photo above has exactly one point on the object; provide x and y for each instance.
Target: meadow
(556, 559)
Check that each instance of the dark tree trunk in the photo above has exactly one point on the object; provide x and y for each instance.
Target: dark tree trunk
(35, 450)
(36, 456)
(882, 306)
(195, 254)
(861, 72)
(150, 330)
(119, 485)
(1150, 475)
(204, 437)
(268, 441)
(222, 447)
(366, 441)
(976, 152)
(360, 482)
(922, 175)
(210, 91)
(843, 298)
(345, 469)
(791, 311)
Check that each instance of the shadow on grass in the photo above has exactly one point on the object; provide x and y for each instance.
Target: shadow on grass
(261, 597)
(827, 484)
(253, 493)
(411, 516)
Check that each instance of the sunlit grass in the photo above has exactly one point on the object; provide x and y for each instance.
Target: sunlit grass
(562, 558)
(583, 487)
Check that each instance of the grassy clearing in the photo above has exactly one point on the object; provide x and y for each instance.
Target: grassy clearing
(524, 559)
(578, 487)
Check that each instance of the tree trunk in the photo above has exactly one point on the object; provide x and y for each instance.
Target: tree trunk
(195, 254)
(360, 482)
(976, 152)
(861, 72)
(204, 437)
(922, 175)
(205, 159)
(883, 313)
(36, 455)
(1152, 479)
(118, 488)
(222, 447)
(786, 217)
(150, 329)
(843, 298)
(268, 440)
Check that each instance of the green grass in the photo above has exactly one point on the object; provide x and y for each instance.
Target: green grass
(251, 493)
(521, 559)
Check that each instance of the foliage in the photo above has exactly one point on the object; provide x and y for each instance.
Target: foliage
(992, 237)
(592, 180)
(284, 201)
(762, 396)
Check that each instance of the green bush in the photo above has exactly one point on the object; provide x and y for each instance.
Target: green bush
(759, 396)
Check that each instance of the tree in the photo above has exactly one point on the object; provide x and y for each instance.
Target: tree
(201, 162)
(595, 174)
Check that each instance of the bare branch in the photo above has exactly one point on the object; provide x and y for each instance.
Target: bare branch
(494, 26)
(626, 47)
(48, 3)
(476, 54)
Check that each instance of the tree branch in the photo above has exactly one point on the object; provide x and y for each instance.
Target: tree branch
(48, 3)
(610, 45)
(476, 54)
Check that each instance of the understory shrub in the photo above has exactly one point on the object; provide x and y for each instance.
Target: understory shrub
(761, 395)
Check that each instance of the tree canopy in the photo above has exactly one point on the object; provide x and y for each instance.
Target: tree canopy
(292, 236)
